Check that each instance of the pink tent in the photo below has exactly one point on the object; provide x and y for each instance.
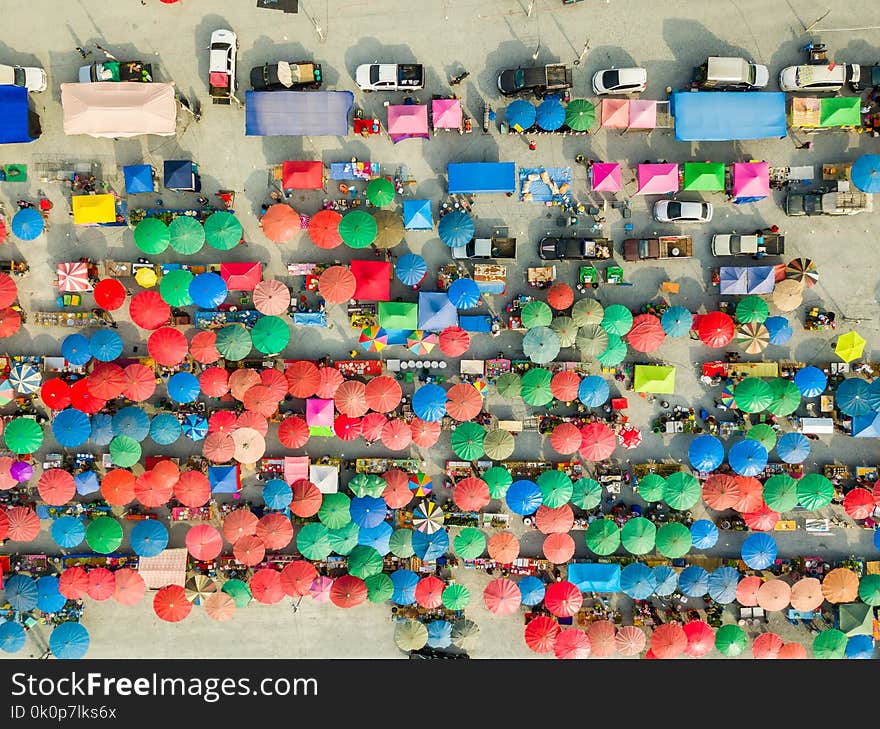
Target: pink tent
(407, 121)
(658, 179)
(751, 179)
(605, 177)
(319, 413)
(642, 114)
(615, 113)
(446, 113)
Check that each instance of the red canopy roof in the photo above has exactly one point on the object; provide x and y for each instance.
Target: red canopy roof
(373, 280)
(302, 175)
(241, 276)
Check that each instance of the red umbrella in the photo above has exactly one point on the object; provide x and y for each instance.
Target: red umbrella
(117, 487)
(275, 381)
(397, 493)
(167, 346)
(73, 583)
(751, 494)
(503, 547)
(10, 322)
(597, 441)
(243, 380)
(130, 586)
(203, 347)
(82, 398)
(346, 428)
(351, 398)
(109, 294)
(8, 290)
(560, 296)
(107, 380)
(454, 341)
(239, 523)
(259, 399)
(762, 520)
(249, 550)
(218, 447)
(337, 284)
(747, 590)
(222, 421)
(859, 503)
(875, 492)
(275, 530)
(791, 651)
(324, 229)
(767, 645)
(329, 380)
(429, 591)
(151, 491)
(148, 310)
(571, 643)
(472, 494)
(564, 385)
(566, 438)
(140, 382)
(396, 435)
(293, 432)
(630, 437)
(271, 297)
(166, 472)
(602, 634)
(280, 223)
(266, 586)
(424, 433)
(563, 599)
(716, 329)
(630, 640)
(4, 525)
(541, 633)
(463, 401)
(501, 596)
(554, 521)
(6, 482)
(670, 641)
(204, 542)
(646, 333)
(382, 393)
(24, 524)
(302, 378)
(297, 578)
(720, 491)
(56, 486)
(700, 639)
(558, 548)
(102, 583)
(306, 498)
(348, 591)
(55, 394)
(214, 381)
(372, 425)
(192, 488)
(170, 603)
(254, 421)
(774, 595)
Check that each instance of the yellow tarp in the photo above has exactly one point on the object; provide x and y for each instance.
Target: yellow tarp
(91, 209)
(659, 379)
(754, 369)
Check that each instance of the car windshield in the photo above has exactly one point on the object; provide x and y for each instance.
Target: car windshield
(673, 210)
(753, 74)
(519, 78)
(611, 79)
(19, 77)
(374, 74)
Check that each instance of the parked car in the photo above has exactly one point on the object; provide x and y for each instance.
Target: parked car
(864, 77)
(733, 244)
(682, 211)
(286, 76)
(30, 77)
(573, 249)
(815, 78)
(221, 68)
(390, 76)
(116, 71)
(538, 79)
(620, 81)
(823, 201)
(722, 73)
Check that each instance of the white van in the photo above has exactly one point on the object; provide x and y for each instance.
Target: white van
(815, 78)
(726, 73)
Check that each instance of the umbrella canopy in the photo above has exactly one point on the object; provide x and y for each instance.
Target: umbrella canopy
(651, 486)
(715, 329)
(752, 309)
(541, 633)
(558, 548)
(565, 329)
(720, 491)
(21, 592)
(566, 438)
(428, 517)
(830, 644)
(541, 344)
(860, 646)
(865, 173)
(667, 580)
(602, 537)
(815, 491)
(68, 531)
(148, 310)
(348, 591)
(676, 321)
(509, 385)
(380, 192)
(722, 584)
(204, 542)
(472, 494)
(747, 457)
(778, 329)
(730, 640)
(536, 314)
(454, 341)
(280, 223)
(337, 284)
(840, 585)
(523, 497)
(670, 641)
(764, 434)
(774, 595)
(23, 435)
(580, 115)
(571, 643)
(747, 590)
(187, 235)
(464, 401)
(550, 114)
(673, 540)
(499, 481)
(586, 493)
(593, 391)
(410, 269)
(638, 581)
(781, 492)
(499, 444)
(324, 229)
(25, 378)
(400, 543)
(859, 503)
(682, 491)
(105, 345)
(56, 486)
(556, 488)
(148, 538)
(69, 640)
(565, 385)
(464, 293)
(501, 596)
(467, 441)
(266, 586)
(70, 427)
(849, 346)
(520, 115)
(597, 441)
(207, 290)
(168, 346)
(223, 231)
(693, 581)
(785, 397)
(456, 228)
(558, 520)
(753, 337)
(630, 640)
(104, 535)
(706, 453)
(793, 448)
(152, 236)
(503, 547)
(535, 387)
(560, 296)
(852, 397)
(429, 402)
(759, 551)
(603, 638)
(753, 395)
(646, 334)
(638, 535)
(55, 393)
(233, 342)
(410, 635)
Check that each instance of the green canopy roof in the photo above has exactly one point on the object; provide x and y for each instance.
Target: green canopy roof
(830, 644)
(565, 329)
(239, 591)
(509, 385)
(380, 192)
(187, 235)
(781, 492)
(455, 596)
(592, 340)
(730, 640)
(536, 314)
(367, 484)
(23, 435)
(856, 618)
(587, 311)
(659, 379)
(682, 491)
(764, 434)
(398, 315)
(358, 229)
(470, 543)
(233, 342)
(556, 488)
(617, 319)
(785, 397)
(704, 176)
(813, 491)
(602, 537)
(840, 111)
(124, 451)
(752, 309)
(614, 354)
(752, 395)
(580, 115)
(869, 590)
(586, 493)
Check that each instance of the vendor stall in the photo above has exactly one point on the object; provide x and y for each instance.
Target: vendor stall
(814, 114)
(718, 116)
(297, 113)
(481, 177)
(300, 175)
(408, 121)
(635, 114)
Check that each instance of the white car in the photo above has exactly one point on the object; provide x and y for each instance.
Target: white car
(620, 81)
(680, 211)
(29, 77)
(221, 65)
(390, 76)
(815, 78)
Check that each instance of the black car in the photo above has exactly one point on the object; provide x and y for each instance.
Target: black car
(864, 77)
(286, 76)
(573, 249)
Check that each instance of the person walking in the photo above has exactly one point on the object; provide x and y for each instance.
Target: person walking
(83, 52)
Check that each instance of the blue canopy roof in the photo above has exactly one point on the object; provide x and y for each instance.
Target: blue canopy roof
(180, 174)
(138, 178)
(223, 479)
(472, 177)
(594, 577)
(721, 116)
(864, 426)
(297, 113)
(436, 311)
(475, 323)
(69, 640)
(86, 483)
(417, 215)
(14, 115)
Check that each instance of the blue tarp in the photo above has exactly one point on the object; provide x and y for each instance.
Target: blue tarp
(594, 577)
(138, 178)
(417, 215)
(539, 191)
(297, 113)
(722, 116)
(471, 177)
(866, 426)
(310, 318)
(475, 323)
(223, 479)
(436, 311)
(14, 115)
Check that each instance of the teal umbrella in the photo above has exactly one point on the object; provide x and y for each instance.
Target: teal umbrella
(614, 353)
(233, 342)
(556, 488)
(344, 539)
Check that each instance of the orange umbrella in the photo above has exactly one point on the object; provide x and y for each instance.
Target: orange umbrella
(107, 380)
(806, 594)
(351, 398)
(167, 346)
(541, 633)
(329, 380)
(297, 578)
(271, 297)
(306, 499)
(170, 604)
(566, 438)
(24, 524)
(840, 585)
(293, 432)
(454, 341)
(249, 445)
(630, 640)
(243, 380)
(774, 595)
(602, 634)
(259, 399)
(166, 472)
(560, 296)
(302, 378)
(102, 583)
(348, 591)
(56, 486)
(192, 489)
(140, 382)
(670, 641)
(720, 491)
(790, 651)
(396, 435)
(249, 550)
(152, 491)
(747, 590)
(214, 381)
(203, 347)
(219, 606)
(751, 494)
(383, 394)
(762, 520)
(503, 546)
(130, 586)
(397, 493)
(558, 547)
(117, 487)
(563, 599)
(571, 643)
(767, 645)
(250, 419)
(204, 542)
(424, 433)
(554, 521)
(337, 284)
(564, 385)
(463, 401)
(280, 223)
(324, 229)
(275, 530)
(700, 639)
(501, 596)
(266, 586)
(372, 425)
(239, 523)
(472, 494)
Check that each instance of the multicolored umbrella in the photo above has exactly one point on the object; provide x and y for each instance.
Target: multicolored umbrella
(428, 517)
(753, 337)
(802, 270)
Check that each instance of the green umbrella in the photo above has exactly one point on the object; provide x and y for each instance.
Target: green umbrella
(730, 640)
(364, 561)
(556, 488)
(380, 588)
(869, 590)
(124, 451)
(651, 487)
(174, 287)
(764, 434)
(357, 229)
(638, 535)
(674, 540)
(781, 492)
(602, 537)
(380, 192)
(455, 597)
(238, 591)
(592, 340)
(536, 387)
(104, 535)
(498, 479)
(752, 309)
(614, 354)
(587, 311)
(410, 635)
(752, 395)
(334, 512)
(233, 342)
(23, 435)
(270, 334)
(536, 314)
(586, 493)
(222, 230)
(830, 644)
(151, 236)
(565, 329)
(498, 444)
(470, 543)
(786, 397)
(312, 541)
(813, 491)
(617, 320)
(682, 491)
(400, 543)
(344, 539)
(580, 115)
(187, 235)
(367, 484)
(509, 385)
(467, 440)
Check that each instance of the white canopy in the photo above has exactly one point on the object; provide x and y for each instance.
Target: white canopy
(119, 109)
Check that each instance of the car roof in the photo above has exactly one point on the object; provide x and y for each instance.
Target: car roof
(815, 74)
(631, 75)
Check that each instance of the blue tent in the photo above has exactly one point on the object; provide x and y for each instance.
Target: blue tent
(706, 453)
(811, 381)
(428, 547)
(105, 345)
(27, 223)
(49, 599)
(429, 402)
(550, 115)
(594, 576)
(860, 646)
(195, 427)
(852, 397)
(464, 293)
(722, 585)
(165, 429)
(439, 634)
(747, 457)
(102, 429)
(133, 422)
(436, 311)
(180, 174)
(148, 538)
(75, 349)
(417, 215)
(405, 582)
(521, 115)
(524, 497)
(873, 395)
(877, 538)
(638, 581)
(723, 116)
(208, 290)
(474, 177)
(693, 581)
(379, 537)
(475, 323)
(865, 173)
(297, 113)
(794, 447)
(676, 321)
(733, 280)
(779, 329)
(666, 579)
(410, 269)
(183, 387)
(277, 493)
(704, 534)
(69, 641)
(593, 391)
(223, 479)
(138, 178)
(71, 427)
(759, 551)
(866, 426)
(456, 228)
(86, 483)
(14, 126)
(368, 511)
(68, 531)
(21, 592)
(12, 635)
(532, 590)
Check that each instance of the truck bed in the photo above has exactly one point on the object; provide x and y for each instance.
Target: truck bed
(648, 249)
(558, 76)
(410, 75)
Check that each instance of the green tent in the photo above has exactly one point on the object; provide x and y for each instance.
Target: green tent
(580, 115)
(781, 492)
(23, 435)
(358, 229)
(586, 493)
(536, 314)
(659, 379)
(556, 488)
(400, 543)
(380, 588)
(536, 387)
(364, 561)
(730, 640)
(334, 511)
(104, 535)
(869, 590)
(587, 311)
(813, 491)
(187, 235)
(174, 287)
(398, 315)
(638, 535)
(785, 397)
(509, 385)
(270, 335)
(467, 440)
(764, 434)
(592, 340)
(222, 230)
(614, 354)
(239, 591)
(651, 487)
(344, 539)
(617, 320)
(470, 543)
(498, 479)
(455, 596)
(233, 342)
(380, 192)
(682, 491)
(674, 540)
(856, 618)
(151, 236)
(124, 451)
(830, 644)
(312, 541)
(752, 395)
(602, 537)
(565, 329)
(840, 111)
(704, 176)
(367, 484)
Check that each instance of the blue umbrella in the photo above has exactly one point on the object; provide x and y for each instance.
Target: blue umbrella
(860, 646)
(68, 531)
(277, 494)
(25, 378)
(706, 453)
(638, 581)
(71, 427)
(133, 422)
(865, 175)
(21, 592)
(105, 345)
(148, 538)
(874, 395)
(593, 391)
(49, 599)
(430, 546)
(410, 269)
(811, 381)
(779, 328)
(759, 551)
(86, 482)
(27, 224)
(748, 457)
(368, 511)
(439, 634)
(75, 349)
(429, 402)
(464, 293)
(183, 387)
(524, 497)
(877, 538)
(667, 580)
(456, 229)
(165, 429)
(676, 321)
(852, 396)
(102, 429)
(532, 590)
(12, 637)
(208, 290)
(69, 640)
(704, 534)
(693, 581)
(722, 585)
(520, 115)
(793, 448)
(405, 582)
(379, 537)
(195, 427)
(550, 115)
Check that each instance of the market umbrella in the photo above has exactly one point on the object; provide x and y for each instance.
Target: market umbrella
(603, 638)
(840, 585)
(571, 643)
(565, 438)
(270, 335)
(498, 479)
(586, 494)
(454, 341)
(565, 385)
(9, 290)
(558, 548)
(499, 444)
(420, 484)
(752, 309)
(706, 453)
(456, 228)
(747, 457)
(464, 293)
(646, 334)
(715, 329)
(763, 434)
(682, 491)
(148, 538)
(865, 173)
(108, 380)
(774, 595)
(23, 435)
(75, 349)
(266, 586)
(676, 321)
(405, 582)
(791, 651)
(104, 535)
(565, 329)
(10, 322)
(630, 640)
(815, 491)
(830, 644)
(541, 633)
(638, 535)
(788, 295)
(429, 592)
(239, 592)
(396, 492)
(779, 330)
(730, 640)
(593, 391)
(69, 640)
(25, 378)
(302, 378)
(410, 635)
(124, 451)
(335, 510)
(148, 310)
(793, 448)
(849, 346)
(759, 551)
(429, 402)
(852, 398)
(531, 590)
(233, 342)
(670, 640)
(463, 402)
(207, 290)
(223, 231)
(536, 314)
(556, 488)
(348, 591)
(785, 397)
(637, 580)
(699, 636)
(747, 590)
(68, 531)
(503, 547)
(380, 192)
(146, 277)
(781, 492)
(138, 382)
(357, 229)
(297, 577)
(667, 580)
(673, 540)
(21, 592)
(324, 229)
(167, 346)
(720, 491)
(763, 519)
(410, 269)
(272, 297)
(55, 394)
(509, 385)
(204, 542)
(427, 517)
(869, 589)
(501, 596)
(523, 497)
(337, 284)
(558, 520)
(467, 440)
(367, 484)
(753, 395)
(71, 428)
(597, 441)
(105, 345)
(860, 646)
(192, 489)
(471, 494)
(693, 581)
(560, 296)
(365, 511)
(129, 586)
(602, 537)
(580, 115)
(187, 235)
(541, 344)
(280, 223)
(220, 607)
(152, 236)
(650, 487)
(380, 588)
(722, 584)
(135, 423)
(753, 337)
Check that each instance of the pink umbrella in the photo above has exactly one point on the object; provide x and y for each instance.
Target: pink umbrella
(774, 595)
(558, 548)
(602, 634)
(670, 641)
(571, 643)
(56, 486)
(646, 333)
(806, 594)
(397, 493)
(630, 437)
(657, 179)
(554, 521)
(249, 550)
(747, 590)
(503, 546)
(700, 639)
(219, 606)
(329, 380)
(259, 399)
(204, 542)
(337, 284)
(767, 645)
(255, 421)
(23, 524)
(372, 425)
(597, 441)
(293, 432)
(454, 341)
(249, 445)
(130, 586)
(605, 176)
(239, 523)
(266, 586)
(320, 589)
(424, 433)
(751, 179)
(463, 401)
(762, 520)
(382, 394)
(102, 583)
(501, 596)
(630, 640)
(564, 385)
(203, 347)
(566, 438)
(351, 398)
(243, 380)
(306, 499)
(302, 378)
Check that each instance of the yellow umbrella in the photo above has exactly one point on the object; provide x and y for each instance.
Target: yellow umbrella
(850, 346)
(146, 278)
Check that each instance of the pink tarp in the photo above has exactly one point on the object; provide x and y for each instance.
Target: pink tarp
(605, 177)
(407, 121)
(296, 468)
(751, 179)
(446, 113)
(615, 113)
(658, 179)
(119, 109)
(642, 114)
(319, 413)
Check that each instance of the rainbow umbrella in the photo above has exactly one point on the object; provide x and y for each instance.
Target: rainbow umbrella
(420, 484)
(373, 339)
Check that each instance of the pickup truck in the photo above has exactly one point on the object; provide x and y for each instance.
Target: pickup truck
(116, 71)
(390, 76)
(286, 75)
(864, 77)
(573, 249)
(733, 244)
(666, 246)
(500, 248)
(221, 66)
(825, 202)
(538, 80)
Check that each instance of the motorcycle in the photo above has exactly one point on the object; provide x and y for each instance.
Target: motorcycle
(455, 80)
(195, 108)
